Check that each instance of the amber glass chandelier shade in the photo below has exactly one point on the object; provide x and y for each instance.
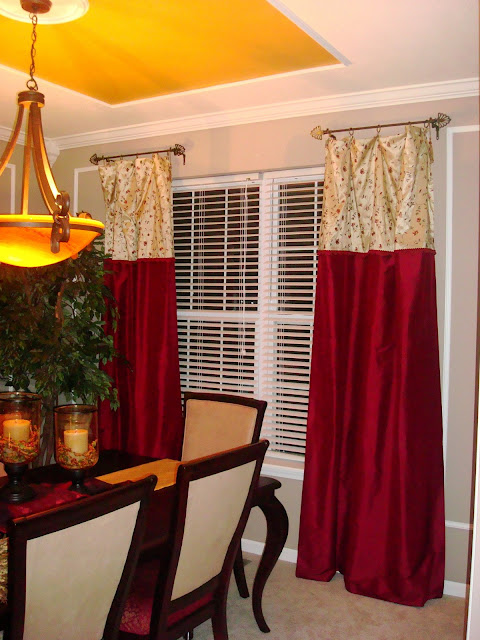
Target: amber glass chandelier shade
(25, 239)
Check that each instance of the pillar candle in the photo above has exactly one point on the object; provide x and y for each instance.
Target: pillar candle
(16, 429)
(76, 440)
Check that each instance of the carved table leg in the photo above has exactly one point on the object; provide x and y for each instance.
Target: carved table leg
(239, 572)
(277, 531)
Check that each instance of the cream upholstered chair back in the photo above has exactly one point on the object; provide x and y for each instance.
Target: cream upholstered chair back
(215, 504)
(217, 422)
(69, 568)
(213, 499)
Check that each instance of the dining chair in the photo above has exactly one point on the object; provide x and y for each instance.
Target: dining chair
(218, 421)
(215, 422)
(173, 594)
(70, 568)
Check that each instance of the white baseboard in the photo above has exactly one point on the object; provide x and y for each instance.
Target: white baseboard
(252, 546)
(458, 589)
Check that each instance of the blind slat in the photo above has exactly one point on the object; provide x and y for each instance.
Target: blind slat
(246, 257)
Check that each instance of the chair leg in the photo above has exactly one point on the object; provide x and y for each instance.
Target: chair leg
(219, 624)
(188, 635)
(239, 572)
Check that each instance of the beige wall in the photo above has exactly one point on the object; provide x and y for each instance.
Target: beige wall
(5, 191)
(36, 204)
(284, 144)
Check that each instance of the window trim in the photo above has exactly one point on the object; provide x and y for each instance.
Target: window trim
(286, 465)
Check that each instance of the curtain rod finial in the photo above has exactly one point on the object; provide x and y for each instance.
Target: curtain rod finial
(179, 150)
(317, 133)
(440, 121)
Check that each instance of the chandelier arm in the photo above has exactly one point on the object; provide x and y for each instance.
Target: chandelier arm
(45, 179)
(7, 153)
(26, 166)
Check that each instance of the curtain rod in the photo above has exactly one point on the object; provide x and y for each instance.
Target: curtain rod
(177, 150)
(437, 123)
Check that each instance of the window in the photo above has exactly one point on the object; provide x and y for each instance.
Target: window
(245, 249)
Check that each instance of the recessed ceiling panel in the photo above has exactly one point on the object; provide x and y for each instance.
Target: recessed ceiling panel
(122, 51)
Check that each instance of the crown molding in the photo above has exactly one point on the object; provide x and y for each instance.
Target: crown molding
(292, 109)
(52, 148)
(6, 132)
(464, 88)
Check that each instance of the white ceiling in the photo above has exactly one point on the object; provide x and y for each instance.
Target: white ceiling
(388, 44)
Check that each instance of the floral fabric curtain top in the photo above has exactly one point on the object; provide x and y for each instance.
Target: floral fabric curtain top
(138, 200)
(378, 193)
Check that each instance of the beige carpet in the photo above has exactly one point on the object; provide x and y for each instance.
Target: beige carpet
(303, 609)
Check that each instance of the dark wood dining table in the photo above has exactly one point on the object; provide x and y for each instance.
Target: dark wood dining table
(162, 504)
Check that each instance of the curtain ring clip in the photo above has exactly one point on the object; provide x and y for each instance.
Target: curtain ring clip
(379, 128)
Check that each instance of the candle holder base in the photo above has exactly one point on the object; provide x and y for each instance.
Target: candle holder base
(78, 484)
(17, 490)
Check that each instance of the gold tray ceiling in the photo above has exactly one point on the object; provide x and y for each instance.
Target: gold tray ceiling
(122, 51)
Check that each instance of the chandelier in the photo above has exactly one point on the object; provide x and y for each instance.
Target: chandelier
(35, 240)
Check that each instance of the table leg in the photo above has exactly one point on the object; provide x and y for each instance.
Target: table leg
(239, 572)
(277, 531)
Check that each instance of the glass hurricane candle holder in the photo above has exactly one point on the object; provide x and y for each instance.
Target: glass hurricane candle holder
(76, 441)
(20, 414)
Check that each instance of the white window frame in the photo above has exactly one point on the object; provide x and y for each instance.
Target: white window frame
(284, 464)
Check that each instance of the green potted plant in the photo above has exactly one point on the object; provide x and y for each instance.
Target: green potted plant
(52, 334)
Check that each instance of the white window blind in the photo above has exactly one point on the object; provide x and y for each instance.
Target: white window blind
(245, 254)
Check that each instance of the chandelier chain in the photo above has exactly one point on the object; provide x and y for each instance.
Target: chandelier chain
(32, 83)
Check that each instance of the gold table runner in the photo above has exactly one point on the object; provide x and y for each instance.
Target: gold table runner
(165, 470)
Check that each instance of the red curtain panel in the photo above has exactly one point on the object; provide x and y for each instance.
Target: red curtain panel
(373, 502)
(139, 239)
(372, 505)
(149, 421)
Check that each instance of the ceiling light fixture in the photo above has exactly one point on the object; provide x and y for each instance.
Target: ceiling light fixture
(37, 240)
(60, 11)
